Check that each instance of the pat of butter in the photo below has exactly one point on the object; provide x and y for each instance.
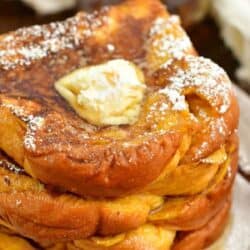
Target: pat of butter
(105, 94)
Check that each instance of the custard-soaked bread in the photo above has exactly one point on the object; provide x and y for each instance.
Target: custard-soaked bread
(184, 96)
(11, 242)
(114, 134)
(145, 237)
(156, 238)
(46, 215)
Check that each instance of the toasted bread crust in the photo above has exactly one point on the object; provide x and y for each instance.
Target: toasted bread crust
(194, 240)
(69, 184)
(205, 236)
(32, 209)
(59, 148)
(196, 212)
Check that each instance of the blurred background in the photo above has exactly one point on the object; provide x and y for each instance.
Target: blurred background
(219, 29)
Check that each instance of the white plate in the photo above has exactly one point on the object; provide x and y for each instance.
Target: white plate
(244, 129)
(237, 234)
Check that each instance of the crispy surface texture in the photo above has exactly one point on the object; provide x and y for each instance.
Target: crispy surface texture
(205, 236)
(40, 131)
(32, 209)
(147, 237)
(161, 181)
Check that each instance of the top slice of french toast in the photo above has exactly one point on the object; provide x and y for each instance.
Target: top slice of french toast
(44, 134)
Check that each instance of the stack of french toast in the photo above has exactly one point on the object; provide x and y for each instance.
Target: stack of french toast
(114, 134)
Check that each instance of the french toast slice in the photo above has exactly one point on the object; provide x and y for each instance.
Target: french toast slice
(75, 154)
(185, 95)
(149, 237)
(47, 216)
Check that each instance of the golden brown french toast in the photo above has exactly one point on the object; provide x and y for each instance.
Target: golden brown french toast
(183, 96)
(45, 215)
(147, 237)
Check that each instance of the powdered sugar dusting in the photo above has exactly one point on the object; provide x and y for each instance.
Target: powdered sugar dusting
(163, 107)
(26, 45)
(10, 166)
(168, 40)
(203, 77)
(33, 124)
(175, 97)
(16, 110)
(110, 47)
(202, 148)
(218, 126)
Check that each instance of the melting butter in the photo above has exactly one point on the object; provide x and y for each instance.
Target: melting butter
(105, 94)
